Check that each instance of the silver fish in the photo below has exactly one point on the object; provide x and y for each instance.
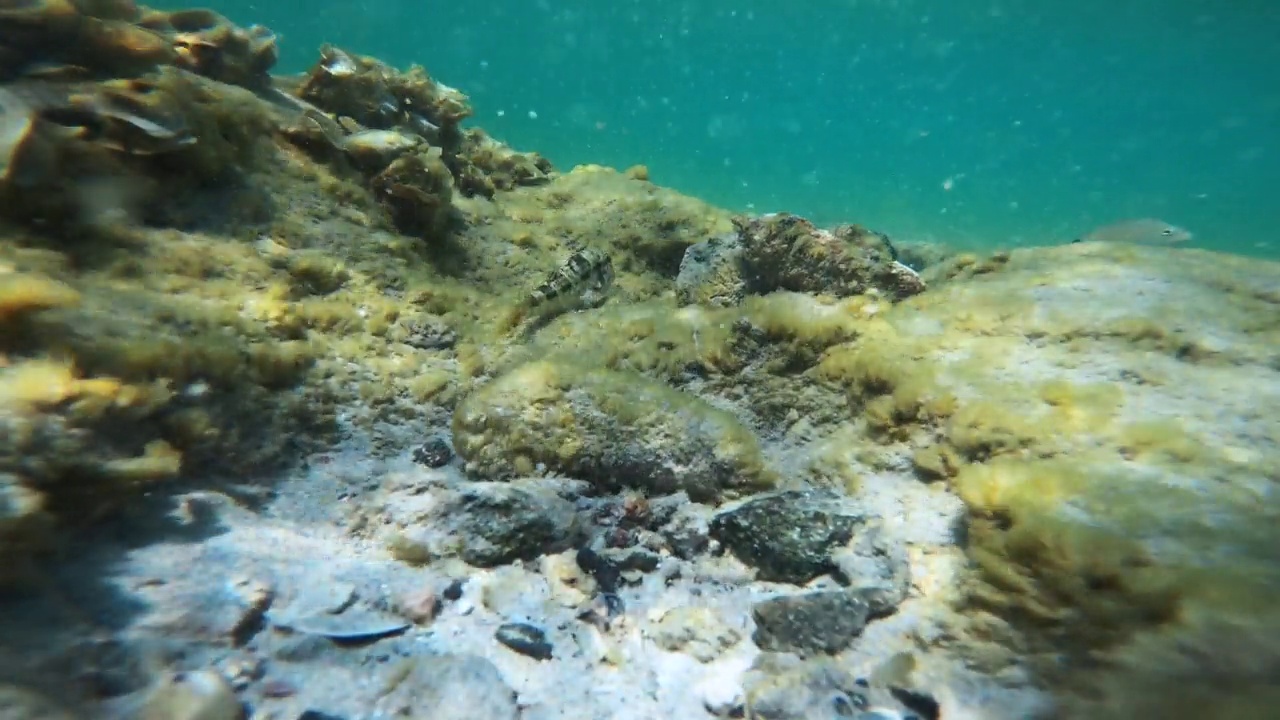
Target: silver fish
(1144, 231)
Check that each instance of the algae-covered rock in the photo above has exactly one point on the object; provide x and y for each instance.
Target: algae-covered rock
(611, 428)
(789, 536)
(821, 621)
(417, 191)
(90, 39)
(486, 524)
(711, 273)
(785, 252)
(1102, 423)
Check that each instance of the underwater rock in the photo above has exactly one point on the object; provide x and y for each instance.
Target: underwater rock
(785, 252)
(19, 703)
(788, 536)
(699, 632)
(486, 524)
(821, 621)
(610, 428)
(65, 148)
(711, 273)
(447, 687)
(434, 453)
(785, 688)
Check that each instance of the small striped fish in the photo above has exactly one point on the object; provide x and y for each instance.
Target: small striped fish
(586, 276)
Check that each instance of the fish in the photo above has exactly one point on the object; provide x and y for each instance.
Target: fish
(1143, 231)
(586, 276)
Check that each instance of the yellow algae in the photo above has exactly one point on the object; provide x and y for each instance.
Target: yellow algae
(22, 294)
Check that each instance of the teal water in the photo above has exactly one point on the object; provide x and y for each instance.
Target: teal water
(980, 123)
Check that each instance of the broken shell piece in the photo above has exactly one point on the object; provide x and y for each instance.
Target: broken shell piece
(352, 624)
(126, 123)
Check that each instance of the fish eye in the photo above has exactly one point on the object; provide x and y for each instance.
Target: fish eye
(1167, 231)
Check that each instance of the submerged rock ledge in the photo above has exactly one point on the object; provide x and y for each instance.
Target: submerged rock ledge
(706, 465)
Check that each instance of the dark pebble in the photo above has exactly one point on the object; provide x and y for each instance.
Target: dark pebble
(453, 591)
(318, 715)
(602, 569)
(433, 453)
(524, 639)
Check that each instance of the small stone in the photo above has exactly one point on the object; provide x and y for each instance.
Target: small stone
(200, 695)
(722, 694)
(822, 621)
(601, 611)
(434, 453)
(696, 631)
(453, 590)
(242, 670)
(525, 639)
(446, 687)
(788, 536)
(318, 715)
(421, 606)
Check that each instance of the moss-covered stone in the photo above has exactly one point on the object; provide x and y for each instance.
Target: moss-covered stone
(614, 429)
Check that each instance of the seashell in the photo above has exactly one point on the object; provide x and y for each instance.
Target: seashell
(525, 639)
(375, 149)
(351, 624)
(337, 63)
(51, 72)
(130, 125)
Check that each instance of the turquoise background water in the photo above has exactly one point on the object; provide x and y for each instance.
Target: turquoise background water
(981, 123)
